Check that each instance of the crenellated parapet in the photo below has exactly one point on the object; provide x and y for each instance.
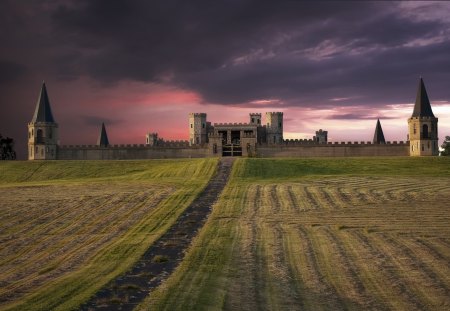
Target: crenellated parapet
(303, 142)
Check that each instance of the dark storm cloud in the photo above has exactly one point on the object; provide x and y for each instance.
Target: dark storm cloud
(300, 53)
(296, 53)
(11, 71)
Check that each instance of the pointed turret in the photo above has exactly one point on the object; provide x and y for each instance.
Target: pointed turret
(43, 112)
(42, 130)
(422, 107)
(103, 138)
(423, 126)
(378, 137)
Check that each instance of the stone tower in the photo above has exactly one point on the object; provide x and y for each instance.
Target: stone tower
(255, 118)
(423, 126)
(197, 129)
(378, 137)
(151, 139)
(102, 140)
(274, 127)
(321, 137)
(42, 130)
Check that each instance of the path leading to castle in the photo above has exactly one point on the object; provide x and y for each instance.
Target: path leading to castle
(158, 262)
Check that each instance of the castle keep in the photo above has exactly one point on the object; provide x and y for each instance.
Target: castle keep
(252, 139)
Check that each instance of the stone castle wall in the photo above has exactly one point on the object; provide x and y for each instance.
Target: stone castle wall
(182, 149)
(131, 152)
(336, 149)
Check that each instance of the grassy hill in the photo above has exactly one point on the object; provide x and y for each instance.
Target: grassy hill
(68, 227)
(310, 234)
(321, 234)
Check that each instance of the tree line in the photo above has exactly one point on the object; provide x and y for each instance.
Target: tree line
(7, 148)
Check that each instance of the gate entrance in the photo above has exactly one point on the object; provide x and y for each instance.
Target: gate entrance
(231, 150)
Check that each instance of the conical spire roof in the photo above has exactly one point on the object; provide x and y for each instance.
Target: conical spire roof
(378, 137)
(103, 137)
(43, 112)
(422, 108)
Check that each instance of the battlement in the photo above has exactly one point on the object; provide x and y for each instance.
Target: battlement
(423, 118)
(197, 114)
(276, 112)
(162, 144)
(233, 124)
(255, 114)
(301, 142)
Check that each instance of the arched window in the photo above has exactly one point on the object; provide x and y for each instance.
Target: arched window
(414, 128)
(425, 131)
(39, 136)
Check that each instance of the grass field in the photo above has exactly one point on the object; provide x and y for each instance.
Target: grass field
(68, 227)
(321, 234)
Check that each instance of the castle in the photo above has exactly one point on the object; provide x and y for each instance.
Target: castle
(252, 139)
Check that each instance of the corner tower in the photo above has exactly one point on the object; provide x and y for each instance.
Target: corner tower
(274, 122)
(197, 129)
(42, 130)
(423, 126)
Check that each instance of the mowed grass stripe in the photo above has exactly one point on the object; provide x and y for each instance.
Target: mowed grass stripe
(376, 270)
(66, 246)
(311, 234)
(124, 207)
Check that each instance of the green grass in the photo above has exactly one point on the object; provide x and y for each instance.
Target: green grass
(321, 234)
(310, 234)
(287, 169)
(68, 227)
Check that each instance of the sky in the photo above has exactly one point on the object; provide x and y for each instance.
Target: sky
(142, 66)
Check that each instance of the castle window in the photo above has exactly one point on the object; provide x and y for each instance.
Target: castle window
(422, 148)
(259, 121)
(31, 151)
(425, 131)
(279, 124)
(39, 136)
(50, 133)
(37, 150)
(414, 128)
(253, 120)
(191, 125)
(196, 140)
(32, 132)
(203, 125)
(42, 152)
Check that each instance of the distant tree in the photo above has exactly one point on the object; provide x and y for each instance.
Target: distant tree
(7, 148)
(446, 147)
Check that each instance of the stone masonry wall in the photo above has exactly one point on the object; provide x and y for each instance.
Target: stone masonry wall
(128, 152)
(334, 150)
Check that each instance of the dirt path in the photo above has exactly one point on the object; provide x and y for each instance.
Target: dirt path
(158, 262)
